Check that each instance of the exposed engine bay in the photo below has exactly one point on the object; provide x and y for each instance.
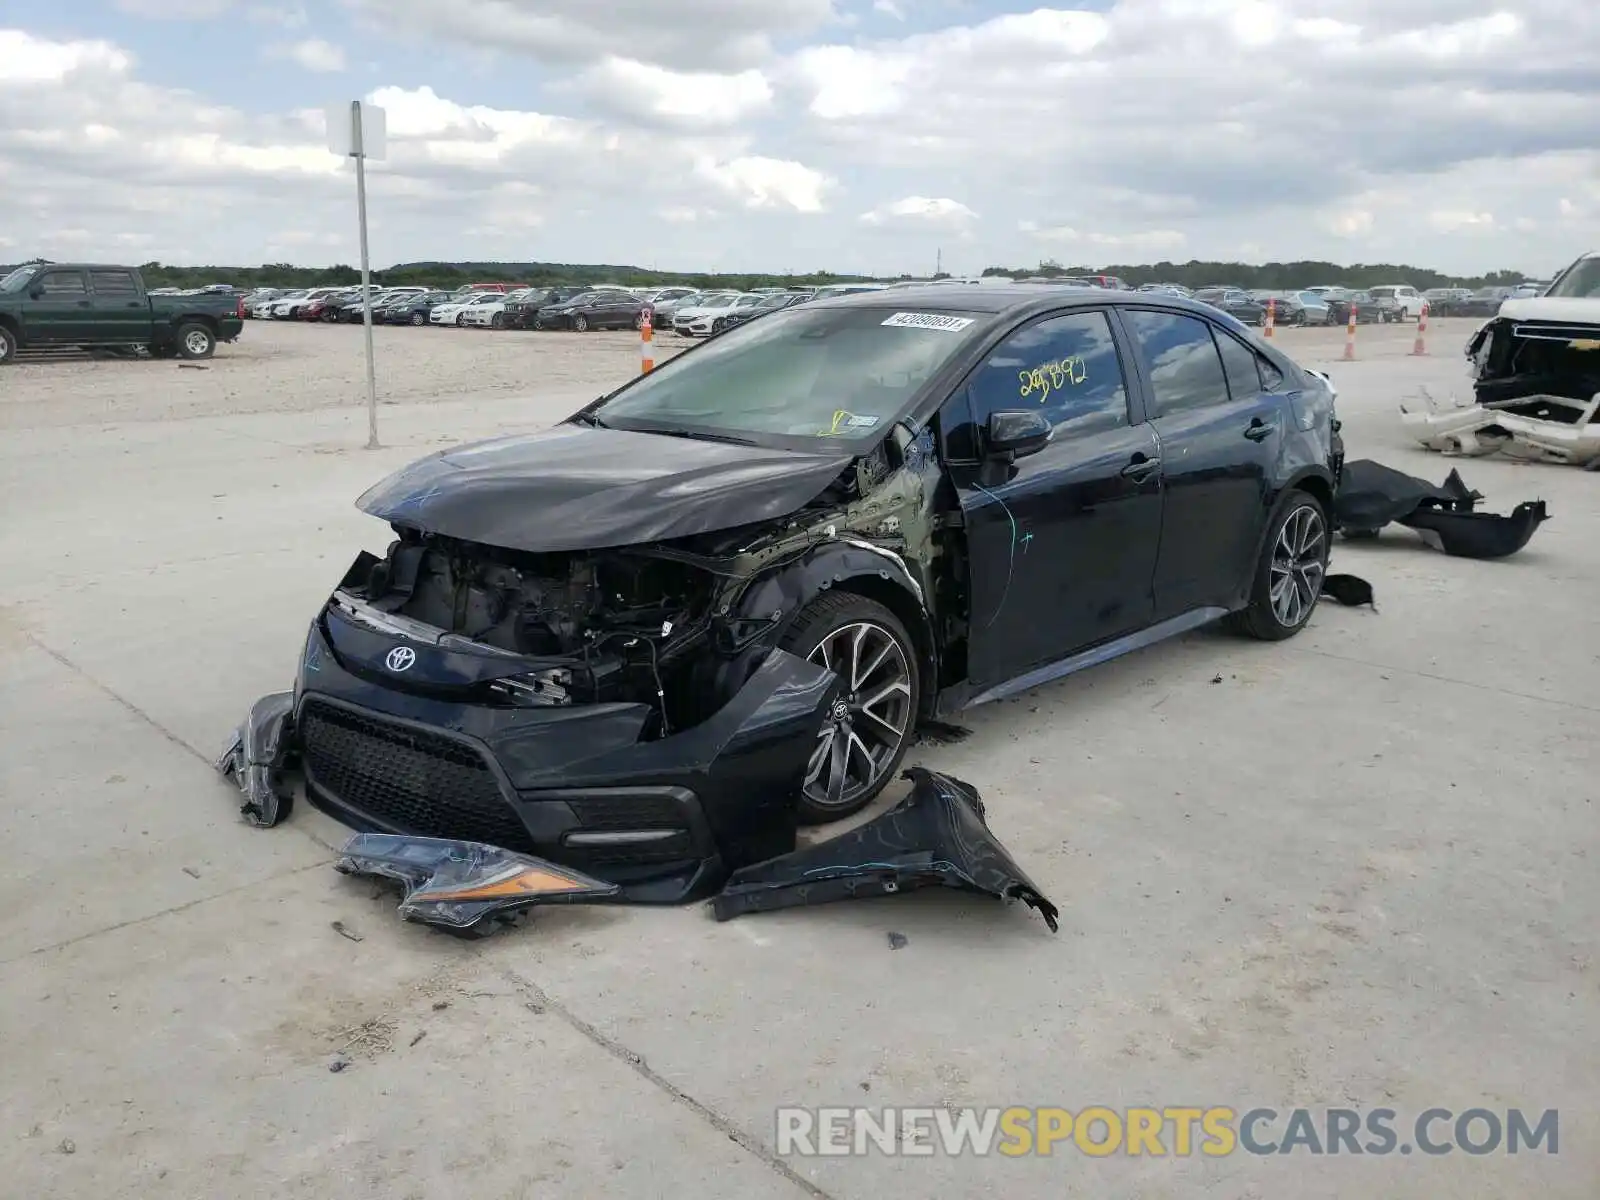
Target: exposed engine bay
(614, 626)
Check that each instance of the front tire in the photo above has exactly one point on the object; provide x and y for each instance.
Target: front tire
(419, 318)
(195, 341)
(8, 346)
(580, 323)
(865, 737)
(498, 321)
(1288, 577)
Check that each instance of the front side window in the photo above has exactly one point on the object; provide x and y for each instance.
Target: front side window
(1066, 366)
(1185, 369)
(804, 374)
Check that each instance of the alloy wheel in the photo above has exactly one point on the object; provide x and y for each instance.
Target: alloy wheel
(869, 721)
(580, 323)
(1299, 560)
(197, 342)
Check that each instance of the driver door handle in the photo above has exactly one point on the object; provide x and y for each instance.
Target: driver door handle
(1259, 430)
(1141, 469)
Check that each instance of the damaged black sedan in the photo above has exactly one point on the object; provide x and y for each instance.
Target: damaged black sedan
(719, 600)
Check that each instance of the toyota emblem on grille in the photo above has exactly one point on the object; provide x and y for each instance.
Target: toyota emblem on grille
(400, 658)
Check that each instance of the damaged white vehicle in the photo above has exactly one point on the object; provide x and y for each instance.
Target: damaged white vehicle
(1536, 379)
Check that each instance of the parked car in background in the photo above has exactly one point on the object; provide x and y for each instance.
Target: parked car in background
(415, 309)
(493, 314)
(1527, 290)
(670, 295)
(600, 309)
(95, 304)
(706, 324)
(1298, 308)
(450, 314)
(290, 307)
(1236, 302)
(523, 312)
(1485, 302)
(741, 312)
(663, 311)
(1369, 309)
(1443, 301)
(707, 308)
(1403, 302)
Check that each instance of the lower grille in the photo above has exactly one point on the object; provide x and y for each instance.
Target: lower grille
(628, 812)
(420, 782)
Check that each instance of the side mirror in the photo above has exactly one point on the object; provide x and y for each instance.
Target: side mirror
(1013, 435)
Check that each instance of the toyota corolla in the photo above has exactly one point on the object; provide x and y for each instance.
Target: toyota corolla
(722, 597)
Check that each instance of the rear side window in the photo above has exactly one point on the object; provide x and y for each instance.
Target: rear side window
(64, 283)
(1240, 364)
(114, 283)
(1185, 369)
(1067, 366)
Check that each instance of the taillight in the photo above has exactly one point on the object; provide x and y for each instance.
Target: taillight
(238, 308)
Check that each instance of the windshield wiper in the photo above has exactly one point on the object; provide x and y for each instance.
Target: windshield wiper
(591, 419)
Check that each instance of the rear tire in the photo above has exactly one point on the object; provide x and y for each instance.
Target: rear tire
(195, 341)
(8, 346)
(498, 321)
(861, 744)
(1288, 576)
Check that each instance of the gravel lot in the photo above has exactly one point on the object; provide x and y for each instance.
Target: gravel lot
(1352, 870)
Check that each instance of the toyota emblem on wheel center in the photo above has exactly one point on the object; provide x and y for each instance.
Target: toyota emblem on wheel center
(400, 658)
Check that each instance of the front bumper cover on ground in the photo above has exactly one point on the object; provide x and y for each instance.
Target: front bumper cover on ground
(1372, 495)
(935, 837)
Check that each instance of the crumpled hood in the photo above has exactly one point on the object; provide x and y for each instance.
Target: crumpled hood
(577, 487)
(1575, 309)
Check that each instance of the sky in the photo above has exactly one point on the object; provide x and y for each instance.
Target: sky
(854, 136)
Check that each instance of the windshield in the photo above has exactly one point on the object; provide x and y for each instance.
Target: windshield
(1579, 281)
(18, 279)
(840, 375)
(1208, 295)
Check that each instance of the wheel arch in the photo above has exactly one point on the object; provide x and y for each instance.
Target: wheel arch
(774, 599)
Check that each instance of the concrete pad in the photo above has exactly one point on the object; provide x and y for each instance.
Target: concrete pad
(191, 1058)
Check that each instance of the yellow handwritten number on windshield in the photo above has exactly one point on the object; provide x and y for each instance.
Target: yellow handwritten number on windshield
(1052, 376)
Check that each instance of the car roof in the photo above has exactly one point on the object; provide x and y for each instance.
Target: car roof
(1014, 300)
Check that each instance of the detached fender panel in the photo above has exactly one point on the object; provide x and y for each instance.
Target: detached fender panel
(935, 837)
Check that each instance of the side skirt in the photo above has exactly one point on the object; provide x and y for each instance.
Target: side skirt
(962, 696)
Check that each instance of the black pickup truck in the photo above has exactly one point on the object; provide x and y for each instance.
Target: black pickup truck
(90, 304)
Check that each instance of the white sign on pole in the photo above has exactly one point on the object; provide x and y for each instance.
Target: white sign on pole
(359, 131)
(344, 136)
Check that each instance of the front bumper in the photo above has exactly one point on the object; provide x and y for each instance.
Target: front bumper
(665, 819)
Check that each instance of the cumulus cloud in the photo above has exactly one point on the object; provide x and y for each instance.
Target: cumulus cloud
(922, 210)
(692, 98)
(1457, 133)
(691, 35)
(312, 54)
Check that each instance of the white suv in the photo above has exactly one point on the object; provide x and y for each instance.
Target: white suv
(1408, 301)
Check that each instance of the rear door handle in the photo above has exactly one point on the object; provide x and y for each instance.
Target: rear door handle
(1141, 469)
(1259, 430)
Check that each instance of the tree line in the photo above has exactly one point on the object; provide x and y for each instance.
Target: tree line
(448, 276)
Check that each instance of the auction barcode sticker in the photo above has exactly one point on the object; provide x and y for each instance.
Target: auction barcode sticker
(929, 321)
